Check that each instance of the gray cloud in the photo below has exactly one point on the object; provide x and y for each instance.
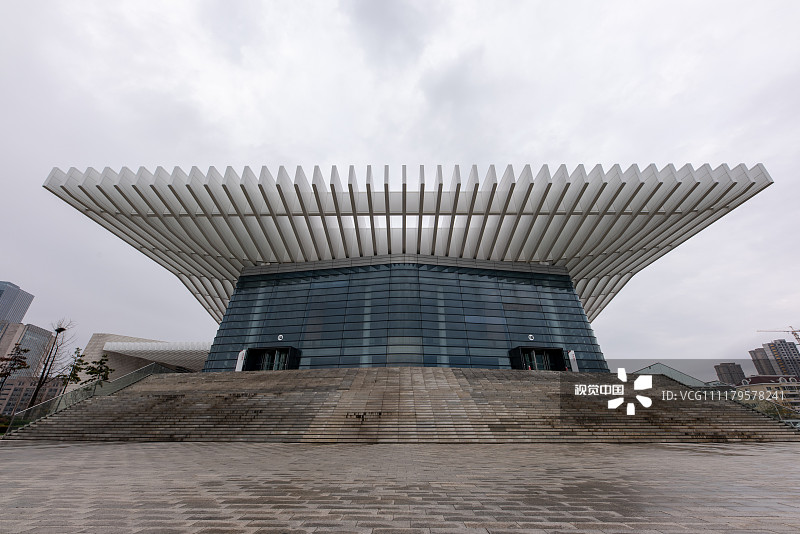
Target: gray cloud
(393, 33)
(235, 26)
(99, 84)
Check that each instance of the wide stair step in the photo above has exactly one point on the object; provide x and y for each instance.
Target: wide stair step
(402, 405)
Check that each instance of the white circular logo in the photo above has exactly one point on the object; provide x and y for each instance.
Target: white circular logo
(530, 337)
(280, 337)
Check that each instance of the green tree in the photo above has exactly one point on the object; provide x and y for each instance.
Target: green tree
(71, 374)
(98, 370)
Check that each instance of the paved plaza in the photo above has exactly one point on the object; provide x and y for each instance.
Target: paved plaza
(383, 489)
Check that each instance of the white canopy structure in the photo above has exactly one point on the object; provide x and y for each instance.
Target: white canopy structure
(187, 354)
(603, 226)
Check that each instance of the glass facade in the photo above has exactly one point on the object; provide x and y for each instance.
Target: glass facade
(405, 315)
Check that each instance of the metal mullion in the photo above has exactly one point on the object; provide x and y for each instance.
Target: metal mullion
(403, 208)
(210, 268)
(687, 230)
(582, 221)
(201, 295)
(290, 217)
(388, 216)
(469, 219)
(135, 233)
(419, 221)
(634, 217)
(517, 219)
(108, 222)
(260, 223)
(227, 221)
(617, 215)
(661, 231)
(131, 232)
(142, 232)
(102, 216)
(274, 217)
(315, 190)
(436, 217)
(453, 218)
(594, 307)
(502, 218)
(355, 218)
(651, 217)
(587, 291)
(484, 221)
(212, 290)
(307, 221)
(600, 215)
(602, 301)
(188, 266)
(567, 216)
(200, 243)
(371, 220)
(550, 217)
(244, 224)
(636, 260)
(534, 216)
(210, 219)
(219, 254)
(339, 220)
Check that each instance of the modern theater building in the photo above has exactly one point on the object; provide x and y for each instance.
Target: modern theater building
(451, 267)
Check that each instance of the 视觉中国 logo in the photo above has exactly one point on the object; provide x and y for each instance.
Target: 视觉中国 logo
(641, 383)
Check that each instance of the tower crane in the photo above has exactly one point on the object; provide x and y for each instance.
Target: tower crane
(792, 330)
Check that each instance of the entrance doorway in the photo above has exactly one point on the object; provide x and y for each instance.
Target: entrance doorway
(538, 358)
(271, 359)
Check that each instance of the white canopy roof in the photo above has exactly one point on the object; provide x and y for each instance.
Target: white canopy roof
(603, 226)
(188, 354)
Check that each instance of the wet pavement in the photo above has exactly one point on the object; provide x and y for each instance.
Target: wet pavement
(394, 489)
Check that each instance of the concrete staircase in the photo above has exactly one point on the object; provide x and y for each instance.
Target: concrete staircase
(402, 404)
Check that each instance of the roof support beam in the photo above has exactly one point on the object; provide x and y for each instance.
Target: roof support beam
(602, 227)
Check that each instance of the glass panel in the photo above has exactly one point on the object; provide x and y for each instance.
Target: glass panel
(472, 310)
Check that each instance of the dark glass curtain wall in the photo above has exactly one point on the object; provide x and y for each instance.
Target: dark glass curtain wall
(404, 315)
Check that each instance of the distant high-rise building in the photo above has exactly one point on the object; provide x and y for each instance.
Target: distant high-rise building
(777, 358)
(729, 373)
(9, 335)
(17, 392)
(14, 302)
(786, 355)
(36, 340)
(763, 362)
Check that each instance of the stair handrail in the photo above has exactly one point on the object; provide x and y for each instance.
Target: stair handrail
(80, 394)
(778, 409)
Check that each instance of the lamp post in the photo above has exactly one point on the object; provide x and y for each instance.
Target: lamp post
(48, 364)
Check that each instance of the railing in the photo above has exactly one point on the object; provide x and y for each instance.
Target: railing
(780, 412)
(97, 388)
(772, 409)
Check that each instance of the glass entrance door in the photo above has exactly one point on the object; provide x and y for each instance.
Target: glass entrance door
(535, 360)
(276, 360)
(271, 359)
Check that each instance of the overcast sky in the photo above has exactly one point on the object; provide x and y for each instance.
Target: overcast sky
(112, 84)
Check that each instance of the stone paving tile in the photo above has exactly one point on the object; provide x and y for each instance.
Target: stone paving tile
(144, 488)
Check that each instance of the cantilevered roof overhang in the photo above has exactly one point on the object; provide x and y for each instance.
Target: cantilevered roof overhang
(603, 226)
